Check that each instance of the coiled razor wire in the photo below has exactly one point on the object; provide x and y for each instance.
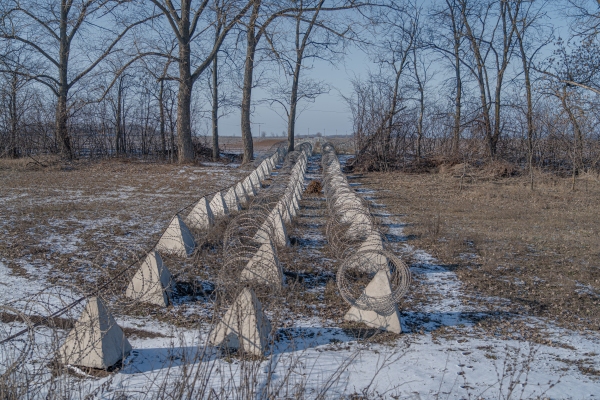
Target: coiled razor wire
(359, 246)
(31, 325)
(246, 232)
(358, 270)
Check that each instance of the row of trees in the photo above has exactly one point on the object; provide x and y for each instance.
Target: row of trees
(121, 76)
(454, 78)
(482, 79)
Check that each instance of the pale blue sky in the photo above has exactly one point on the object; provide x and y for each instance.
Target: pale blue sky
(327, 114)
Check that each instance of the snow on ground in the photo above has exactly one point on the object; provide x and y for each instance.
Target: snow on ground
(311, 359)
(417, 365)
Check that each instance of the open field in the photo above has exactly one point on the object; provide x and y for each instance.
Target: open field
(537, 250)
(504, 302)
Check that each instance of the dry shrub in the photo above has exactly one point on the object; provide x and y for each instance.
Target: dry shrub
(500, 169)
(454, 169)
(314, 187)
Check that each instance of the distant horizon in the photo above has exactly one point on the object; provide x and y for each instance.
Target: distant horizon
(274, 137)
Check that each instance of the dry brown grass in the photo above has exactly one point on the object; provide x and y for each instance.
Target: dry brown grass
(314, 187)
(81, 223)
(538, 249)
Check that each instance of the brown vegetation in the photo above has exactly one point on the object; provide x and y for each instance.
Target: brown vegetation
(537, 249)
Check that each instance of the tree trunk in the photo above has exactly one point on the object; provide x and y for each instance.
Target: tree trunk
(390, 128)
(420, 122)
(13, 145)
(62, 133)
(457, 98)
(161, 104)
(457, 34)
(506, 52)
(247, 85)
(119, 137)
(185, 147)
(215, 111)
(293, 104)
(185, 150)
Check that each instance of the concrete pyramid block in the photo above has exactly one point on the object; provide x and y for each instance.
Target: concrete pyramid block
(264, 267)
(378, 287)
(298, 190)
(284, 211)
(249, 187)
(280, 237)
(294, 207)
(240, 191)
(273, 230)
(218, 205)
(265, 168)
(96, 341)
(358, 228)
(244, 326)
(260, 173)
(201, 216)
(231, 200)
(152, 283)
(263, 234)
(371, 246)
(177, 239)
(255, 180)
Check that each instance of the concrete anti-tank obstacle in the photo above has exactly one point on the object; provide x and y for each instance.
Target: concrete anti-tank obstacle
(152, 283)
(280, 233)
(294, 207)
(201, 216)
(274, 227)
(96, 341)
(284, 211)
(231, 200)
(218, 205)
(264, 268)
(240, 191)
(177, 239)
(265, 168)
(244, 326)
(260, 173)
(373, 250)
(378, 287)
(249, 187)
(254, 178)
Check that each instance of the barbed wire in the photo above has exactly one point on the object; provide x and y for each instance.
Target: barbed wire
(366, 264)
(153, 280)
(37, 310)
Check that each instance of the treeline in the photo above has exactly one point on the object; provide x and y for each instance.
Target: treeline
(481, 80)
(454, 80)
(109, 77)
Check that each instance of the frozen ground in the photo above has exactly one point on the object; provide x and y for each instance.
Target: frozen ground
(444, 352)
(420, 364)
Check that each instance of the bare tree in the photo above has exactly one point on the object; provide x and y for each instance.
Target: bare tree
(56, 34)
(262, 16)
(524, 17)
(14, 101)
(301, 40)
(483, 47)
(184, 20)
(450, 46)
